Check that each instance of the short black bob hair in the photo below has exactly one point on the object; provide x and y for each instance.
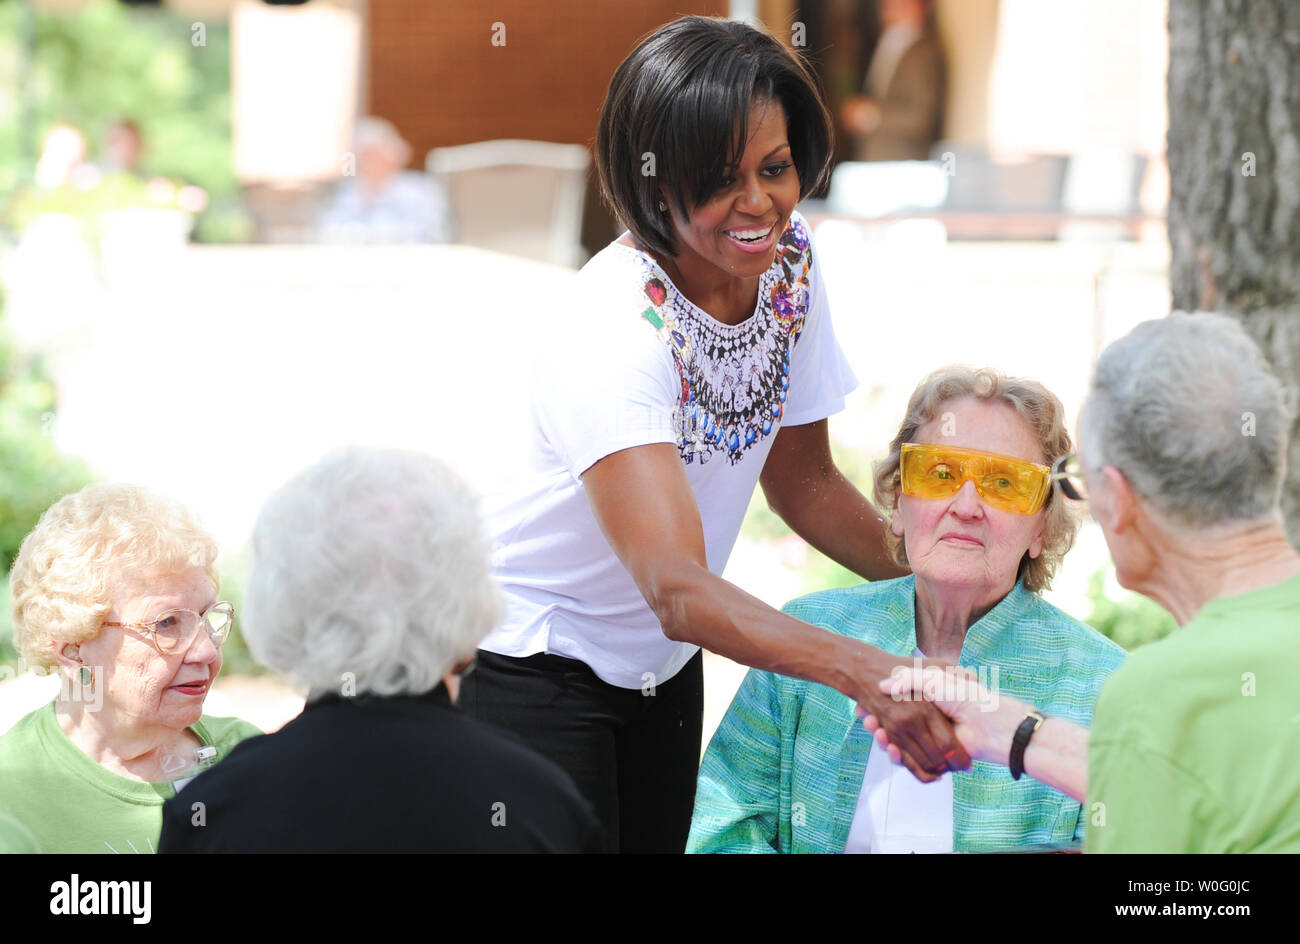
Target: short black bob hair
(676, 115)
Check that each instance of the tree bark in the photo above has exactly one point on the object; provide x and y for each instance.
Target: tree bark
(1234, 169)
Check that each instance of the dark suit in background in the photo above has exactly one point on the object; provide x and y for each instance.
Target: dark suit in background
(373, 774)
(911, 105)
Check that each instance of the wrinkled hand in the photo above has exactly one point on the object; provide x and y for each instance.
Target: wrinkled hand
(919, 735)
(983, 721)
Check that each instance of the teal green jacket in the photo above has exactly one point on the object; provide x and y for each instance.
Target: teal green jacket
(784, 769)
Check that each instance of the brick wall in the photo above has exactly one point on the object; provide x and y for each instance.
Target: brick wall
(433, 71)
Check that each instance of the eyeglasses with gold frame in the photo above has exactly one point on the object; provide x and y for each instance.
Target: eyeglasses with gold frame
(174, 630)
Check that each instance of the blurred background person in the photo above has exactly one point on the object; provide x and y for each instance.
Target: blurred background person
(63, 160)
(116, 590)
(122, 148)
(371, 587)
(382, 202)
(125, 185)
(899, 116)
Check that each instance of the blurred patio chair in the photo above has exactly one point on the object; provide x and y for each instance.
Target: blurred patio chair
(519, 197)
(880, 188)
(1101, 183)
(981, 183)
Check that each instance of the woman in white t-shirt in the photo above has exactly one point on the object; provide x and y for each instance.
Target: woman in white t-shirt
(696, 361)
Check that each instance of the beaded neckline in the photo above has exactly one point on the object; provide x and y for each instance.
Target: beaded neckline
(734, 379)
(763, 280)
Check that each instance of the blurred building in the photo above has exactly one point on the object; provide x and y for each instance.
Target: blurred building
(444, 73)
(1055, 113)
(1055, 109)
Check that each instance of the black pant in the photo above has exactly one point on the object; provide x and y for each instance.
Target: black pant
(633, 755)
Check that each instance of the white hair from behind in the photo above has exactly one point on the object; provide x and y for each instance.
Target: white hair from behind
(371, 574)
(371, 132)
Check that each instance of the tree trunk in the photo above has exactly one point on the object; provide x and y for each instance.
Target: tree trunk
(1234, 169)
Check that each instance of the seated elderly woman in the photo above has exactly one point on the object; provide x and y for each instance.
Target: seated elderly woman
(371, 588)
(1183, 461)
(967, 486)
(116, 590)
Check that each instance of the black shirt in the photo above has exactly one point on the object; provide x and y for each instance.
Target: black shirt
(381, 774)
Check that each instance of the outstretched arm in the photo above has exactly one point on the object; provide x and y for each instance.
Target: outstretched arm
(644, 505)
(805, 488)
(986, 722)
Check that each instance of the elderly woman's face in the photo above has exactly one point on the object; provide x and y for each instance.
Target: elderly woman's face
(737, 228)
(378, 163)
(141, 686)
(962, 540)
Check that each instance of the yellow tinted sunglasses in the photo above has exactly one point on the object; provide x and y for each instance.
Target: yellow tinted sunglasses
(1005, 482)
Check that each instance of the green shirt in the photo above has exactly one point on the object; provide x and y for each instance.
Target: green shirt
(54, 798)
(1195, 741)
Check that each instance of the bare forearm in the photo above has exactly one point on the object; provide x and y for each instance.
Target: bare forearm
(1057, 754)
(1058, 757)
(644, 505)
(696, 606)
(839, 521)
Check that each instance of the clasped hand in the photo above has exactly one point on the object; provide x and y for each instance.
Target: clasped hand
(979, 717)
(915, 729)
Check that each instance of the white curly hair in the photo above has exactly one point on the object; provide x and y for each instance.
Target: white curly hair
(370, 569)
(86, 544)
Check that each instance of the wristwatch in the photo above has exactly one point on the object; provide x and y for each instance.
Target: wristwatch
(1033, 721)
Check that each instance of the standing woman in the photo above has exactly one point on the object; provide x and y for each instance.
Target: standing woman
(696, 360)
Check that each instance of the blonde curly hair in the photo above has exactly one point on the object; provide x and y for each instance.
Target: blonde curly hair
(1037, 405)
(69, 567)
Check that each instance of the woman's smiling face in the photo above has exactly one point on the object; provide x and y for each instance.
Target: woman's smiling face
(737, 228)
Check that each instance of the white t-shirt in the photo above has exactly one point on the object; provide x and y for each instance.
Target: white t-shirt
(629, 363)
(898, 813)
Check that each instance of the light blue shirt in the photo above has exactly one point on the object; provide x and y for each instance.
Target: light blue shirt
(411, 208)
(785, 768)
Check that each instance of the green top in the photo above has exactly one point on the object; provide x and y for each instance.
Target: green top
(784, 769)
(54, 798)
(1194, 745)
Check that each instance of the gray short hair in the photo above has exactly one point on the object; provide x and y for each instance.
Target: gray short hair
(371, 568)
(1188, 409)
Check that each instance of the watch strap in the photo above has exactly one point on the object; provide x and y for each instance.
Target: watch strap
(1033, 721)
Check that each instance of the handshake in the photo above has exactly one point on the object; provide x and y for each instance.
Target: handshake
(927, 710)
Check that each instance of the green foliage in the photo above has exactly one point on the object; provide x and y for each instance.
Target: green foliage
(114, 192)
(33, 473)
(1130, 621)
(235, 657)
(817, 571)
(106, 62)
(8, 654)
